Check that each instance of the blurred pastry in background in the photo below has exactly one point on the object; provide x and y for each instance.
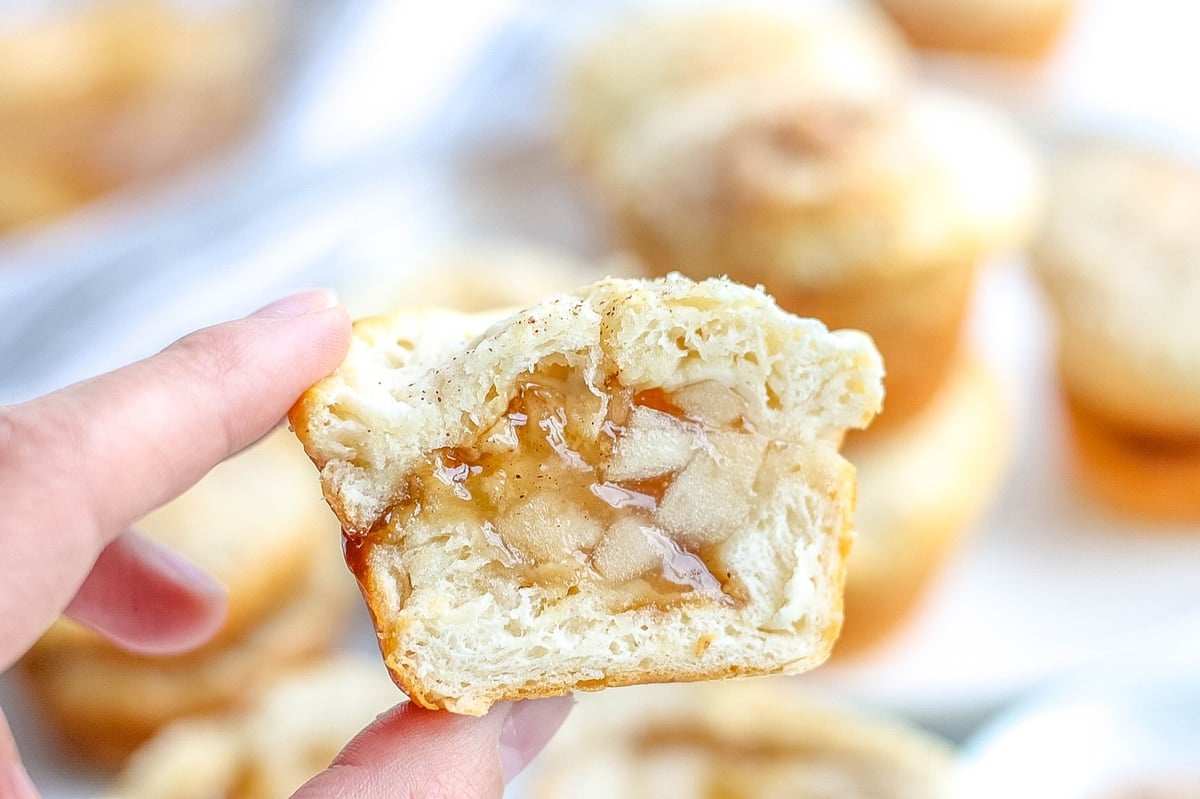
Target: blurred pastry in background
(474, 277)
(1119, 259)
(748, 739)
(922, 485)
(1024, 29)
(1154, 478)
(257, 523)
(873, 217)
(95, 95)
(651, 59)
(289, 732)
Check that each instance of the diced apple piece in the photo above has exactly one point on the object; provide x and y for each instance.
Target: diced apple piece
(710, 498)
(628, 550)
(653, 443)
(711, 402)
(700, 508)
(547, 527)
(741, 454)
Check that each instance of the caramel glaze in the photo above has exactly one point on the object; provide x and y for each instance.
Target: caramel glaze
(538, 445)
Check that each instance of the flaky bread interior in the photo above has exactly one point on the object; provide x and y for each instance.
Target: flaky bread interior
(635, 482)
(754, 739)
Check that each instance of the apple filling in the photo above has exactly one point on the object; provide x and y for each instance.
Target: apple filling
(630, 489)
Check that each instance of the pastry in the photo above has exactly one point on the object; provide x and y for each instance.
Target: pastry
(635, 482)
(96, 95)
(252, 524)
(256, 523)
(866, 216)
(1025, 29)
(104, 702)
(750, 739)
(1151, 477)
(648, 60)
(289, 732)
(1119, 259)
(921, 487)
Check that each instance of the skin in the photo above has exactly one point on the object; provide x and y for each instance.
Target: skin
(78, 466)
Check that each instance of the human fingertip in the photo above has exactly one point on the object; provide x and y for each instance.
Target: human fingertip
(527, 728)
(148, 598)
(300, 303)
(19, 784)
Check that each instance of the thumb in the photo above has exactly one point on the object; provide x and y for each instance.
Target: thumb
(412, 752)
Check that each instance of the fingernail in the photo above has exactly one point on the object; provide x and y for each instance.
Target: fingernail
(298, 304)
(187, 572)
(178, 567)
(20, 786)
(528, 727)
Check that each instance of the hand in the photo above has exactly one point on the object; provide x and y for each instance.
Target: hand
(78, 466)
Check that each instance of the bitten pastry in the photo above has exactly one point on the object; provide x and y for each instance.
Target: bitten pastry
(755, 739)
(636, 482)
(873, 217)
(1119, 258)
(921, 487)
(1024, 29)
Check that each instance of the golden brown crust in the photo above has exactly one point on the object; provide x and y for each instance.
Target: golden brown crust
(1013, 30)
(1152, 478)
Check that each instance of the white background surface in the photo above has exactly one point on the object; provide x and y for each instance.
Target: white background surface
(1046, 584)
